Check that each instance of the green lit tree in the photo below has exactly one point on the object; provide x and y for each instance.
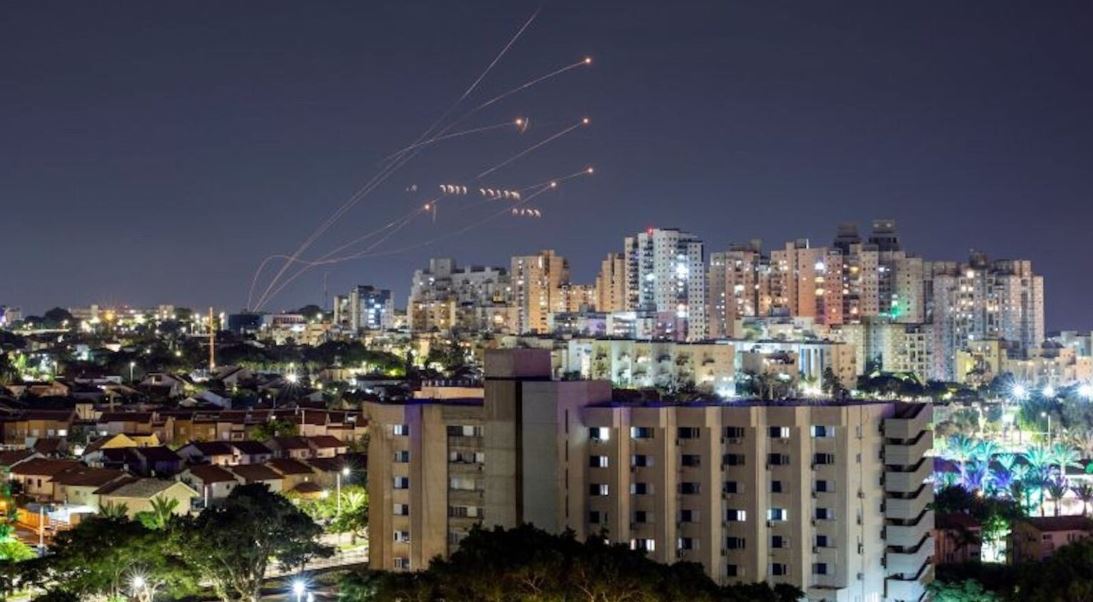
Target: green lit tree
(232, 544)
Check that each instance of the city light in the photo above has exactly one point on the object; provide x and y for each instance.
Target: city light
(1049, 391)
(1086, 390)
(1019, 391)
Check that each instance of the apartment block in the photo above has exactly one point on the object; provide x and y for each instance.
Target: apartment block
(828, 496)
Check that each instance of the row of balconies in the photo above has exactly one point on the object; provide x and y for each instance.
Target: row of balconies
(909, 454)
(909, 481)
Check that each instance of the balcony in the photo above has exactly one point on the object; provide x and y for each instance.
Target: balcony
(908, 482)
(911, 589)
(906, 536)
(908, 509)
(909, 563)
(908, 454)
(911, 420)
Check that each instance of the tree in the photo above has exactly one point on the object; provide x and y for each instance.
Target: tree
(968, 590)
(1066, 575)
(1084, 491)
(526, 563)
(232, 543)
(275, 428)
(101, 554)
(163, 510)
(114, 511)
(57, 318)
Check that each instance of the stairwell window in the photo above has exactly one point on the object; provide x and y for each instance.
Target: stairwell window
(402, 482)
(400, 430)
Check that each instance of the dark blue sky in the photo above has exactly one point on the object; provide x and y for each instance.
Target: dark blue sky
(153, 153)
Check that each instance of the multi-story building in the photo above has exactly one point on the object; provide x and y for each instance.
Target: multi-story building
(370, 308)
(738, 287)
(806, 281)
(630, 363)
(896, 346)
(983, 299)
(445, 296)
(666, 273)
(438, 467)
(828, 496)
(611, 284)
(537, 283)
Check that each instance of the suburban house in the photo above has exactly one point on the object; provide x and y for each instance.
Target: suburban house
(326, 446)
(136, 494)
(291, 447)
(258, 473)
(164, 384)
(157, 461)
(220, 453)
(94, 454)
(112, 423)
(212, 482)
(293, 471)
(252, 452)
(77, 486)
(1036, 538)
(24, 428)
(36, 476)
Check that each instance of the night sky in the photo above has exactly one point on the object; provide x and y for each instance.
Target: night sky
(155, 154)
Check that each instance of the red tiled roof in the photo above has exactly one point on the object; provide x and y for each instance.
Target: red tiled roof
(88, 477)
(326, 442)
(209, 473)
(288, 466)
(1060, 523)
(256, 472)
(44, 466)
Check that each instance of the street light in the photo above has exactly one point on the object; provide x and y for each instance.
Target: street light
(1086, 390)
(298, 588)
(131, 366)
(1049, 391)
(1042, 415)
(1019, 391)
(338, 483)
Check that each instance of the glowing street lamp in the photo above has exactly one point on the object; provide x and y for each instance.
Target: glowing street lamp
(131, 366)
(1048, 416)
(1086, 390)
(338, 483)
(1019, 391)
(1049, 391)
(299, 588)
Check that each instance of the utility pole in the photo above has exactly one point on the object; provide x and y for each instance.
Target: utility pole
(212, 341)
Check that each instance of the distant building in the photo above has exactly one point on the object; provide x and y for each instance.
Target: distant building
(370, 308)
(666, 273)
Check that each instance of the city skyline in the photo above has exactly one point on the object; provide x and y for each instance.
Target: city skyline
(161, 141)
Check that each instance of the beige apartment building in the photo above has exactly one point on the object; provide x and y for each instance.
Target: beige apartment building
(830, 497)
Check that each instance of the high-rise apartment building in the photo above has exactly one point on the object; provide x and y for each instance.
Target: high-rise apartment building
(984, 299)
(445, 296)
(666, 274)
(537, 290)
(366, 308)
(738, 286)
(611, 284)
(806, 281)
(830, 497)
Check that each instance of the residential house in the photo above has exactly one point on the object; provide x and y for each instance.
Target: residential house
(164, 384)
(36, 476)
(112, 423)
(252, 452)
(23, 429)
(259, 473)
(137, 494)
(326, 446)
(220, 453)
(291, 447)
(77, 486)
(211, 481)
(1036, 538)
(155, 461)
(294, 472)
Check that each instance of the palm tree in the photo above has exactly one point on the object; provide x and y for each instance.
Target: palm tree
(984, 452)
(1084, 491)
(961, 449)
(160, 514)
(1065, 456)
(114, 511)
(1083, 441)
(1056, 488)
